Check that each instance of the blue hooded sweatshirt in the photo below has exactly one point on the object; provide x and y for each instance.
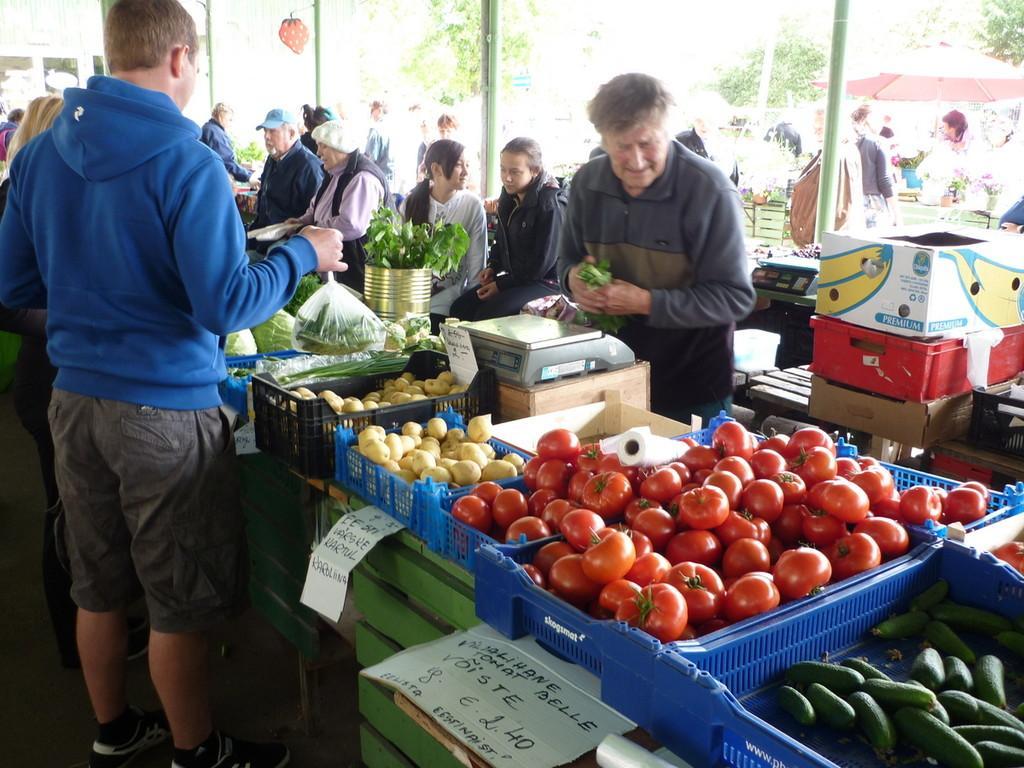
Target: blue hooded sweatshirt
(123, 225)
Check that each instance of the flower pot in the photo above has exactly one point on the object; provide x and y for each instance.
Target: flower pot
(397, 293)
(759, 199)
(991, 202)
(910, 176)
(946, 201)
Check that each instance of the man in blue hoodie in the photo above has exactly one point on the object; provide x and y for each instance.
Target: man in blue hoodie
(122, 225)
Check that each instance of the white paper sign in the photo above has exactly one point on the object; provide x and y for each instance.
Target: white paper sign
(506, 701)
(245, 439)
(355, 534)
(461, 357)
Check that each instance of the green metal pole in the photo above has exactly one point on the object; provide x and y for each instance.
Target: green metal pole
(492, 34)
(209, 51)
(830, 150)
(318, 50)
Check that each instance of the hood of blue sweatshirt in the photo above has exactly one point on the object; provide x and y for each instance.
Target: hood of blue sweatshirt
(123, 225)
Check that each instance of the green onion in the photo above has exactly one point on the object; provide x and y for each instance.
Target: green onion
(384, 362)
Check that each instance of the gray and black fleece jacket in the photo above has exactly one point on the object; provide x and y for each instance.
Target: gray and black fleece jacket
(682, 239)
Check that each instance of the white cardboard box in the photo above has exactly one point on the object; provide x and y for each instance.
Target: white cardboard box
(917, 282)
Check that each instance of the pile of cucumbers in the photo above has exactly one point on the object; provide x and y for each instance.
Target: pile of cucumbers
(953, 707)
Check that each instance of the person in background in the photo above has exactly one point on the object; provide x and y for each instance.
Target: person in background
(139, 259)
(523, 259)
(786, 134)
(442, 197)
(670, 224)
(955, 132)
(7, 129)
(215, 136)
(353, 188)
(705, 138)
(887, 132)
(311, 118)
(291, 175)
(447, 126)
(880, 205)
(378, 142)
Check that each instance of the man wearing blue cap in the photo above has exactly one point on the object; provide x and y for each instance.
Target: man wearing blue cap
(291, 175)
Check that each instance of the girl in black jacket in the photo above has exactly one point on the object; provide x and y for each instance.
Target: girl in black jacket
(521, 266)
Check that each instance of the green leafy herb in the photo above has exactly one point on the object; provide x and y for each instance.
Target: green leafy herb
(595, 276)
(394, 244)
(308, 285)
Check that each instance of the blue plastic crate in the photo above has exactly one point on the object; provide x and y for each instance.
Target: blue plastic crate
(234, 389)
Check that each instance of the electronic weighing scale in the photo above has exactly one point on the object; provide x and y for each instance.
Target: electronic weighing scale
(527, 349)
(797, 275)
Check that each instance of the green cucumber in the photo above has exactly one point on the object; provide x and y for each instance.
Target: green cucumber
(934, 595)
(936, 739)
(990, 715)
(942, 637)
(837, 679)
(927, 669)
(965, 617)
(962, 707)
(863, 666)
(797, 705)
(877, 727)
(893, 695)
(999, 755)
(1014, 641)
(1002, 734)
(989, 682)
(958, 675)
(904, 625)
(831, 709)
(940, 713)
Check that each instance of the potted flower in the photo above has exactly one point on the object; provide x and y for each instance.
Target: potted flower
(958, 184)
(987, 185)
(908, 169)
(401, 260)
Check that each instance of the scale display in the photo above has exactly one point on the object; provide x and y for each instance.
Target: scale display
(795, 275)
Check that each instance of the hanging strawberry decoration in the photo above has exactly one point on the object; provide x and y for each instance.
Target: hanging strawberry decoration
(294, 33)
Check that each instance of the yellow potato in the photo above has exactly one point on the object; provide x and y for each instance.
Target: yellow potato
(515, 460)
(414, 398)
(437, 428)
(456, 435)
(384, 403)
(371, 433)
(446, 462)
(498, 470)
(416, 440)
(336, 403)
(447, 377)
(369, 405)
(412, 429)
(414, 390)
(421, 460)
(408, 444)
(376, 451)
(353, 406)
(465, 472)
(392, 466)
(401, 385)
(408, 377)
(409, 476)
(487, 449)
(401, 397)
(479, 429)
(372, 396)
(432, 448)
(457, 389)
(305, 394)
(405, 462)
(394, 444)
(472, 452)
(437, 474)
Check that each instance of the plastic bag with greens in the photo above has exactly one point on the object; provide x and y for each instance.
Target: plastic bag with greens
(334, 322)
(240, 344)
(275, 334)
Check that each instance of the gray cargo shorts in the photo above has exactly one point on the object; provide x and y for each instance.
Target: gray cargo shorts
(151, 499)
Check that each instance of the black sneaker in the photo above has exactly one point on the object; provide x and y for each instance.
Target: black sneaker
(151, 729)
(234, 753)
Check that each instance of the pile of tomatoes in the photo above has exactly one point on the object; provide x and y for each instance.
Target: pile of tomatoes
(729, 531)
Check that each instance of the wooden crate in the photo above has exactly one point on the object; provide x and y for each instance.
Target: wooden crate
(634, 384)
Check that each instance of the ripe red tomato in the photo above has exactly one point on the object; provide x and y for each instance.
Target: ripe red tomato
(559, 444)
(609, 559)
(750, 595)
(508, 506)
(662, 484)
(648, 569)
(555, 510)
(745, 556)
(764, 499)
(702, 508)
(731, 485)
(580, 527)
(846, 467)
(814, 466)
(540, 499)
(474, 512)
(800, 572)
(531, 528)
(868, 461)
(853, 554)
(641, 542)
(610, 463)
(569, 582)
(821, 529)
(536, 576)
(659, 610)
(577, 483)
(636, 506)
(805, 439)
(608, 493)
(891, 537)
(775, 443)
(589, 458)
(700, 457)
(737, 466)
(732, 439)
(487, 491)
(1012, 553)
(681, 469)
(617, 592)
(712, 626)
(549, 553)
(844, 500)
(701, 587)
(775, 548)
(554, 475)
(530, 471)
(876, 482)
(788, 526)
(979, 487)
(887, 508)
(695, 547)
(657, 525)
(767, 463)
(919, 504)
(794, 489)
(963, 505)
(740, 525)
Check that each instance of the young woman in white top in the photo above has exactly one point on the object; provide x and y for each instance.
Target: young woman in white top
(442, 195)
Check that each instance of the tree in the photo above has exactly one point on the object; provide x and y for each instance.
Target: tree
(798, 61)
(1002, 32)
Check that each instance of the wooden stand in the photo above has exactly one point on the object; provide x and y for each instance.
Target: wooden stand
(634, 384)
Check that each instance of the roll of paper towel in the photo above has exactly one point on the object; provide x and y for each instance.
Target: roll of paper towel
(640, 448)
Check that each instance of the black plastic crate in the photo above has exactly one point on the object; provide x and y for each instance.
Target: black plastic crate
(301, 432)
(993, 428)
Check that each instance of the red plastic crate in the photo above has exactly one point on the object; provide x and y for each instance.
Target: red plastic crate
(903, 368)
(957, 469)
